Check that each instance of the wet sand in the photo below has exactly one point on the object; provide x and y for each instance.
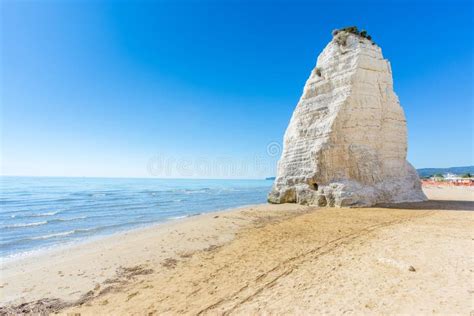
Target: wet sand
(275, 259)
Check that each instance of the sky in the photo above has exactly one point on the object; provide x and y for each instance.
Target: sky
(205, 89)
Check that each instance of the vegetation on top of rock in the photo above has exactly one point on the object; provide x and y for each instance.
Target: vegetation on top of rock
(340, 35)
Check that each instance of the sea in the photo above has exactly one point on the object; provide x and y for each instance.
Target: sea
(39, 213)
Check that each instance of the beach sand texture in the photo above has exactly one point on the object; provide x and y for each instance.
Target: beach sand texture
(274, 259)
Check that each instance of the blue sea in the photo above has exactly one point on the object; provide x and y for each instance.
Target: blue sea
(44, 212)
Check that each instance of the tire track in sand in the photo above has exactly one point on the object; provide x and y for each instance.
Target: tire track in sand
(269, 278)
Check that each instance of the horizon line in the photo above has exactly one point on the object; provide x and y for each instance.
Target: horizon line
(122, 177)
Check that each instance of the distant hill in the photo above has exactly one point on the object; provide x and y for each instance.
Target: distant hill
(427, 172)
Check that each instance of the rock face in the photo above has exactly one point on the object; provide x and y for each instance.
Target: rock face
(346, 143)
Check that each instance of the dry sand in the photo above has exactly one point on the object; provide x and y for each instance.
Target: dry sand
(266, 259)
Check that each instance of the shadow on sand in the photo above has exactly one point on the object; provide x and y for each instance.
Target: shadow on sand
(445, 205)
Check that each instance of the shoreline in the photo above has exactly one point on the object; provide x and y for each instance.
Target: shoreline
(93, 239)
(18, 273)
(175, 258)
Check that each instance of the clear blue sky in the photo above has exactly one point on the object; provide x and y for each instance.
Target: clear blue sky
(103, 88)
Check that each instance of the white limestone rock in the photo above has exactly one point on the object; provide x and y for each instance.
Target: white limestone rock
(346, 143)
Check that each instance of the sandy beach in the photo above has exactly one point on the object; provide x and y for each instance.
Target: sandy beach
(265, 259)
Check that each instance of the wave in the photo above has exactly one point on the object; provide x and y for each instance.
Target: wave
(188, 191)
(97, 194)
(183, 216)
(79, 231)
(61, 234)
(22, 225)
(26, 214)
(88, 231)
(67, 219)
(52, 235)
(178, 217)
(45, 214)
(195, 191)
(64, 199)
(25, 225)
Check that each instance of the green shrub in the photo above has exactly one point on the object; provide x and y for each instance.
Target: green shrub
(341, 39)
(351, 29)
